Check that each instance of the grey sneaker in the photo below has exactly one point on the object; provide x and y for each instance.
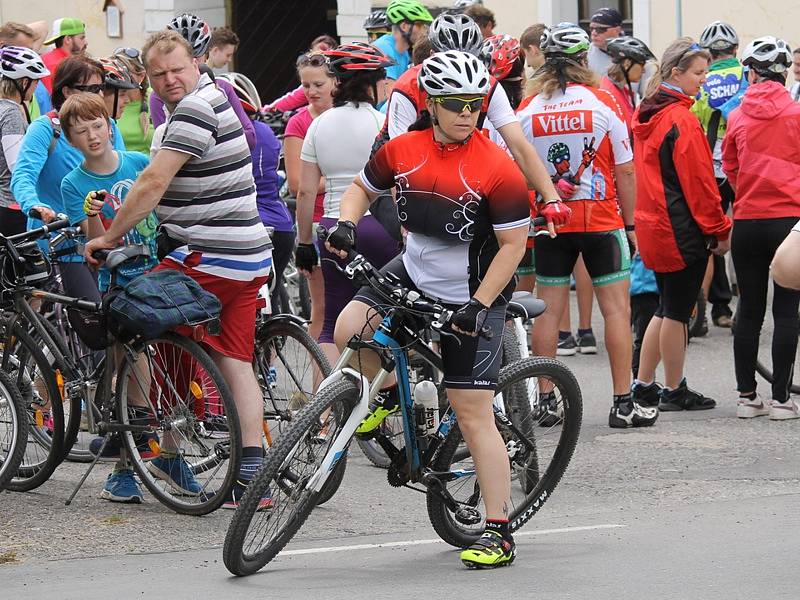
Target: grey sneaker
(587, 344)
(567, 347)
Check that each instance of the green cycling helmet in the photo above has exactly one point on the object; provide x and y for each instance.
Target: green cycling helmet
(557, 152)
(407, 10)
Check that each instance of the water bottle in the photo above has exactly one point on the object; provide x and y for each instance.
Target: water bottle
(426, 398)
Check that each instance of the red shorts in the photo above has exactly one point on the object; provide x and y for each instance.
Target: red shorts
(238, 315)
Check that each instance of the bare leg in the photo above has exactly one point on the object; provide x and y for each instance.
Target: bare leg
(316, 288)
(614, 301)
(246, 395)
(651, 351)
(672, 342)
(544, 337)
(526, 283)
(476, 420)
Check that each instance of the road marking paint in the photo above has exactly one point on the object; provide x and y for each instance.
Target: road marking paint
(404, 543)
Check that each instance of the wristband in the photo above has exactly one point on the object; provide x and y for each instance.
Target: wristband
(630, 228)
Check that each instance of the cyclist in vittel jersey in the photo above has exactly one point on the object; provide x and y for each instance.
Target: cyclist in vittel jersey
(579, 130)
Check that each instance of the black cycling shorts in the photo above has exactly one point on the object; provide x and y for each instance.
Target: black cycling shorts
(470, 363)
(606, 255)
(679, 291)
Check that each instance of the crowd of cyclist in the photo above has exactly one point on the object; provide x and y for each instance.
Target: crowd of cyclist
(428, 151)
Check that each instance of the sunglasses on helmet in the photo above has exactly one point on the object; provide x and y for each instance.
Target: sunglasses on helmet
(313, 59)
(129, 52)
(459, 105)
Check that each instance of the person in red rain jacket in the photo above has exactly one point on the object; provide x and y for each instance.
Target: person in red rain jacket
(678, 219)
(761, 157)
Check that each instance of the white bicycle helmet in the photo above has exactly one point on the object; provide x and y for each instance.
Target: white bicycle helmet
(17, 62)
(194, 30)
(466, 3)
(719, 36)
(768, 53)
(565, 39)
(243, 83)
(455, 32)
(452, 73)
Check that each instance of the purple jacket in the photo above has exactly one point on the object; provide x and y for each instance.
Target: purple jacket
(158, 115)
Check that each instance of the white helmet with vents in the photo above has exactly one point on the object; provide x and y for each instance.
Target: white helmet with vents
(768, 53)
(453, 73)
(455, 32)
(719, 36)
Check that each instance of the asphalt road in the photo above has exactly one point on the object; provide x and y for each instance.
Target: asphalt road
(700, 506)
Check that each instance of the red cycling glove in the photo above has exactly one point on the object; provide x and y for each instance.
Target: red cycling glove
(556, 212)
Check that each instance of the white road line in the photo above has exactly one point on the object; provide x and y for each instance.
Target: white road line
(400, 544)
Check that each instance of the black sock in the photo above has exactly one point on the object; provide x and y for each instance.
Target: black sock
(750, 396)
(582, 332)
(252, 456)
(563, 335)
(620, 398)
(499, 526)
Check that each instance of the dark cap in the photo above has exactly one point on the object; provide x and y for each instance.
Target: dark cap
(609, 17)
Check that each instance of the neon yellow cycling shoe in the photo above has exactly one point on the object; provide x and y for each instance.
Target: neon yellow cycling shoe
(374, 419)
(489, 552)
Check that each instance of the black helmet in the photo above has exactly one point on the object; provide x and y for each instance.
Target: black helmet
(377, 20)
(632, 48)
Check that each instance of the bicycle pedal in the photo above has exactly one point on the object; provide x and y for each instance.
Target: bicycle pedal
(467, 515)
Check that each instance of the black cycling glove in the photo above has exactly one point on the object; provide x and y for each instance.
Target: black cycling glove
(306, 257)
(470, 317)
(343, 236)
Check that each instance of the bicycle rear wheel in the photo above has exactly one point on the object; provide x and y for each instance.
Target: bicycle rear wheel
(255, 538)
(35, 379)
(172, 385)
(538, 456)
(13, 429)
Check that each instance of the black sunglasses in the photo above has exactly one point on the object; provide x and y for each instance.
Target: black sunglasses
(598, 28)
(94, 88)
(458, 105)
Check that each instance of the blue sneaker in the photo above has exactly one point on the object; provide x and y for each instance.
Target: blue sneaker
(121, 486)
(177, 474)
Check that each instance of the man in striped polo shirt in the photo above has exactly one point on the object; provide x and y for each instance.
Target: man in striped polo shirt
(200, 184)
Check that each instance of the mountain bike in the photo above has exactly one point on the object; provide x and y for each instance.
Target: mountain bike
(431, 460)
(154, 393)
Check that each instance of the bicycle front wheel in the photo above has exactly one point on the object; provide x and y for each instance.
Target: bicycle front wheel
(171, 385)
(255, 538)
(538, 456)
(13, 429)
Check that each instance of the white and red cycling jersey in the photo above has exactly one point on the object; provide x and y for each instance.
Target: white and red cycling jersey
(581, 135)
(407, 101)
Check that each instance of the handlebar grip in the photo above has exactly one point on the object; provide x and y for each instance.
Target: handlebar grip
(101, 254)
(35, 214)
(61, 223)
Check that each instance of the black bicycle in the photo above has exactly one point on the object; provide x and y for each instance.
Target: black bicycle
(156, 394)
(298, 467)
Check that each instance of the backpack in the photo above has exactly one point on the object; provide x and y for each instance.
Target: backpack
(55, 123)
(159, 301)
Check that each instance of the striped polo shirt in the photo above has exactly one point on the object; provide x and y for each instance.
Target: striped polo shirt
(210, 205)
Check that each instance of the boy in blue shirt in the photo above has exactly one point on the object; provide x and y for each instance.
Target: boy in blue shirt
(94, 190)
(92, 193)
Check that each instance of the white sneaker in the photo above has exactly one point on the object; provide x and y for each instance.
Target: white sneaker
(781, 411)
(747, 409)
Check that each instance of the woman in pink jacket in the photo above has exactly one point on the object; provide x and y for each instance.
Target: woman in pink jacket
(761, 157)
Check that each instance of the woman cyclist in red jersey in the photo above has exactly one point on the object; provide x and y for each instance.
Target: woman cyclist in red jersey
(317, 81)
(337, 146)
(628, 57)
(465, 206)
(678, 219)
(579, 130)
(761, 158)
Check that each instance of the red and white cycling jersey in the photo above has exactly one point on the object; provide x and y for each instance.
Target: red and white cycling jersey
(581, 134)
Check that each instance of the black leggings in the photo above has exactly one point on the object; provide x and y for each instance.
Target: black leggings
(753, 246)
(283, 246)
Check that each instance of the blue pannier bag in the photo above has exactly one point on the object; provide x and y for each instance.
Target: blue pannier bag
(157, 302)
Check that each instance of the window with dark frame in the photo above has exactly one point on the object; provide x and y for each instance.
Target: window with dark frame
(586, 8)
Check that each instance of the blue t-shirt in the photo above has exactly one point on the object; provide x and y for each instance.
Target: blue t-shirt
(80, 181)
(402, 60)
(38, 173)
(266, 155)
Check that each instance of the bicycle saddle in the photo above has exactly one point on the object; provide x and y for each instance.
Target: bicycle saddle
(118, 256)
(525, 306)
